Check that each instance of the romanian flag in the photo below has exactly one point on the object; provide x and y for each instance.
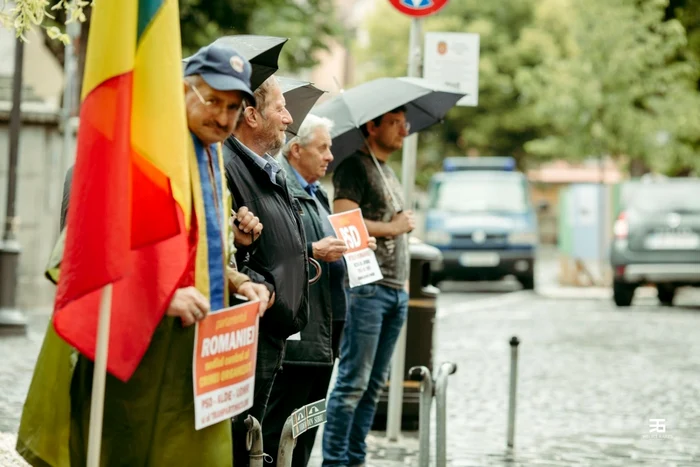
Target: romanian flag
(131, 196)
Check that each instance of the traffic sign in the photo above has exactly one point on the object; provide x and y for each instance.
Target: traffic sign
(452, 58)
(308, 417)
(418, 8)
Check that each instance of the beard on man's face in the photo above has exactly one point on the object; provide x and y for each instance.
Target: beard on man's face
(390, 143)
(274, 140)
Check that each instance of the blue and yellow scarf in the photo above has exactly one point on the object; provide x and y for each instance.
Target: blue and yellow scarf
(212, 205)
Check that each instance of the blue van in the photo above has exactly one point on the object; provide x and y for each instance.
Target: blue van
(480, 216)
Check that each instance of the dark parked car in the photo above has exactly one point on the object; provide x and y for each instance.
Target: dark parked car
(657, 238)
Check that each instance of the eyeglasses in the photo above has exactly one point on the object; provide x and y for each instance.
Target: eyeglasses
(208, 103)
(399, 123)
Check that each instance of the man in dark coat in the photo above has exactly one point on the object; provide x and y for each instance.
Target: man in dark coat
(309, 356)
(278, 258)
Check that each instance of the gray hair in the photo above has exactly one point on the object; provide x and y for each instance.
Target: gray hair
(261, 94)
(307, 130)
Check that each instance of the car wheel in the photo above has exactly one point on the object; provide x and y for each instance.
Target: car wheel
(623, 293)
(528, 282)
(666, 293)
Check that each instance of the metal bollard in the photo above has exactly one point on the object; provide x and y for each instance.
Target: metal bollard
(445, 370)
(422, 374)
(513, 382)
(287, 444)
(254, 441)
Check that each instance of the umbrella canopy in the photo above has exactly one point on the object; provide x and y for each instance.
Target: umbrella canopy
(261, 51)
(426, 103)
(301, 96)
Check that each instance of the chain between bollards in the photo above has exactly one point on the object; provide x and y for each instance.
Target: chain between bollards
(514, 342)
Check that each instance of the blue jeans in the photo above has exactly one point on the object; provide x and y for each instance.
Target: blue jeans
(376, 314)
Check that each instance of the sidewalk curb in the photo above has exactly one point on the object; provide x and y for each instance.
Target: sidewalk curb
(587, 293)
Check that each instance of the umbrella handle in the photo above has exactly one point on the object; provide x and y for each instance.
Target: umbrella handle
(316, 265)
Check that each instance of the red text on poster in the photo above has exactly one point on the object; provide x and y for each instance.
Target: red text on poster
(223, 368)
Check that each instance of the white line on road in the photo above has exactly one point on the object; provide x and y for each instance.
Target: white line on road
(483, 304)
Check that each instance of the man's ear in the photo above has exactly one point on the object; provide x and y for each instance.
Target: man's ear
(295, 151)
(251, 116)
(371, 128)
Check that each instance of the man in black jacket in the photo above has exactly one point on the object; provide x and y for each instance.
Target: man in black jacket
(309, 359)
(278, 258)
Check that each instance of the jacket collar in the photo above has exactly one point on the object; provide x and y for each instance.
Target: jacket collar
(246, 154)
(295, 188)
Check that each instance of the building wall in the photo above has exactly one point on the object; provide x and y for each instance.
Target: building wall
(41, 71)
(336, 66)
(40, 172)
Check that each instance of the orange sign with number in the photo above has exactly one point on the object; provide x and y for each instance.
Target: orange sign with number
(362, 266)
(350, 227)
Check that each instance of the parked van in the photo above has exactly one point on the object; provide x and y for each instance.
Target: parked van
(481, 217)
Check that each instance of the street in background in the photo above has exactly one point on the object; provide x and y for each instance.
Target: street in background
(481, 217)
(657, 238)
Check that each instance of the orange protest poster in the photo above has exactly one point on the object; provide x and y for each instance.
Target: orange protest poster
(361, 262)
(226, 344)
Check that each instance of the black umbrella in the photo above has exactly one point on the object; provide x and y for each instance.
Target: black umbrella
(261, 51)
(301, 96)
(426, 103)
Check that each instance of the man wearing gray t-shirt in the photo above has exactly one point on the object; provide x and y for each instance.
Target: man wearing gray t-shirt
(377, 311)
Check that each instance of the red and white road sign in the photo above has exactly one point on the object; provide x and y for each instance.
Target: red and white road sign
(418, 8)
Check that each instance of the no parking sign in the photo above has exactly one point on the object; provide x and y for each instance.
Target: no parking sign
(418, 8)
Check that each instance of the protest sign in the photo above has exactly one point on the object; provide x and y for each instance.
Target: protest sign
(361, 263)
(223, 367)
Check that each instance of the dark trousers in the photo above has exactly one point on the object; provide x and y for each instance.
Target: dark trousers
(296, 386)
(269, 361)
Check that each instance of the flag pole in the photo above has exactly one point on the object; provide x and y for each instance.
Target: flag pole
(99, 378)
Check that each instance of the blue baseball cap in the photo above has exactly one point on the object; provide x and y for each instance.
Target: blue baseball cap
(222, 68)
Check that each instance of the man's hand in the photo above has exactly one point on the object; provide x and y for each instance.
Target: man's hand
(248, 223)
(189, 305)
(329, 249)
(372, 243)
(253, 291)
(403, 222)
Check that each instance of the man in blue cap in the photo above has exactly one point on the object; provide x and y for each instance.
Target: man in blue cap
(219, 78)
(149, 420)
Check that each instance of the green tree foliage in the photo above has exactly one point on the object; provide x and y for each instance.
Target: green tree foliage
(562, 79)
(688, 13)
(501, 123)
(625, 88)
(309, 24)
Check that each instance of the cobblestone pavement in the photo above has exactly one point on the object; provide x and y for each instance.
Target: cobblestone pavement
(590, 378)
(17, 358)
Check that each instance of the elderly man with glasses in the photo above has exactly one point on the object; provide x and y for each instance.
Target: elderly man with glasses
(308, 360)
(149, 419)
